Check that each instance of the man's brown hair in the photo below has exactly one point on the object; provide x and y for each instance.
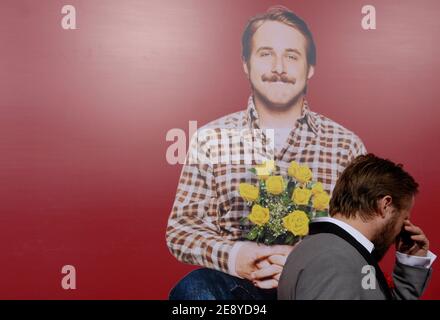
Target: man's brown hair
(366, 180)
(283, 15)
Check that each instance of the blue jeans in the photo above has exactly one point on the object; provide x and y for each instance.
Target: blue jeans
(209, 284)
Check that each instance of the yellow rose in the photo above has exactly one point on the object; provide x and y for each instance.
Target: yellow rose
(321, 201)
(297, 222)
(303, 174)
(317, 188)
(248, 192)
(291, 171)
(275, 185)
(301, 196)
(259, 215)
(265, 169)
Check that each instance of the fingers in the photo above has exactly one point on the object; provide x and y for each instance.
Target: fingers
(417, 233)
(410, 227)
(252, 256)
(266, 251)
(282, 249)
(419, 238)
(412, 250)
(266, 284)
(422, 240)
(263, 252)
(266, 264)
(270, 271)
(263, 264)
(278, 259)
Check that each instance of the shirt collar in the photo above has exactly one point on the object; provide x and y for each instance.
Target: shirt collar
(306, 116)
(352, 231)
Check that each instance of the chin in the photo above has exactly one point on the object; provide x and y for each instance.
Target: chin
(280, 105)
(280, 101)
(285, 102)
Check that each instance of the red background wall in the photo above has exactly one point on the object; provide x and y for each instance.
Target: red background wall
(84, 113)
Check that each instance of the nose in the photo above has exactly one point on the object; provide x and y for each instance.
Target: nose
(278, 64)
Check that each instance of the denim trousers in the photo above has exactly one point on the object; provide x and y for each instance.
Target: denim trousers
(209, 284)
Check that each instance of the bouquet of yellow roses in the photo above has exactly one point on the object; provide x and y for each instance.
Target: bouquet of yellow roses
(281, 208)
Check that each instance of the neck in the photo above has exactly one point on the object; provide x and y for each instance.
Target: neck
(278, 117)
(363, 227)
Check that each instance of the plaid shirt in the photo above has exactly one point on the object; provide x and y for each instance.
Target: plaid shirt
(204, 223)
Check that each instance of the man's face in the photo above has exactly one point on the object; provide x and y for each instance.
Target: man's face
(277, 67)
(386, 236)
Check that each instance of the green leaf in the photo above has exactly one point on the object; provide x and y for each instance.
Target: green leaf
(253, 234)
(269, 238)
(268, 241)
(321, 214)
(253, 170)
(290, 187)
(291, 239)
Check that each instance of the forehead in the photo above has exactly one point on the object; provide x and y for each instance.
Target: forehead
(279, 36)
(410, 205)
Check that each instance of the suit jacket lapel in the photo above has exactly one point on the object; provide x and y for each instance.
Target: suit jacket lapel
(328, 227)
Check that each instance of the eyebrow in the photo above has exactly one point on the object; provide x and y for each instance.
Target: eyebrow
(264, 48)
(294, 50)
(288, 50)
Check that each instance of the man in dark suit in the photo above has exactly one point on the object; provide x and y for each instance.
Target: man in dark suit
(370, 210)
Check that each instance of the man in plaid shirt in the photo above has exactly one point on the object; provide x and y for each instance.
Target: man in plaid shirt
(204, 229)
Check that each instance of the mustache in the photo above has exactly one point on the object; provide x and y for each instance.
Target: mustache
(276, 77)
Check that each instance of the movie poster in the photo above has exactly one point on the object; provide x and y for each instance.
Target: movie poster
(104, 105)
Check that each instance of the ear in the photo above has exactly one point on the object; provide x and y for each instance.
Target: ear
(385, 206)
(310, 72)
(245, 68)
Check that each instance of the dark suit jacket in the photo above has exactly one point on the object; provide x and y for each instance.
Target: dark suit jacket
(325, 266)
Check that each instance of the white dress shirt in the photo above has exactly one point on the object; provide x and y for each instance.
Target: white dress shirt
(406, 259)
